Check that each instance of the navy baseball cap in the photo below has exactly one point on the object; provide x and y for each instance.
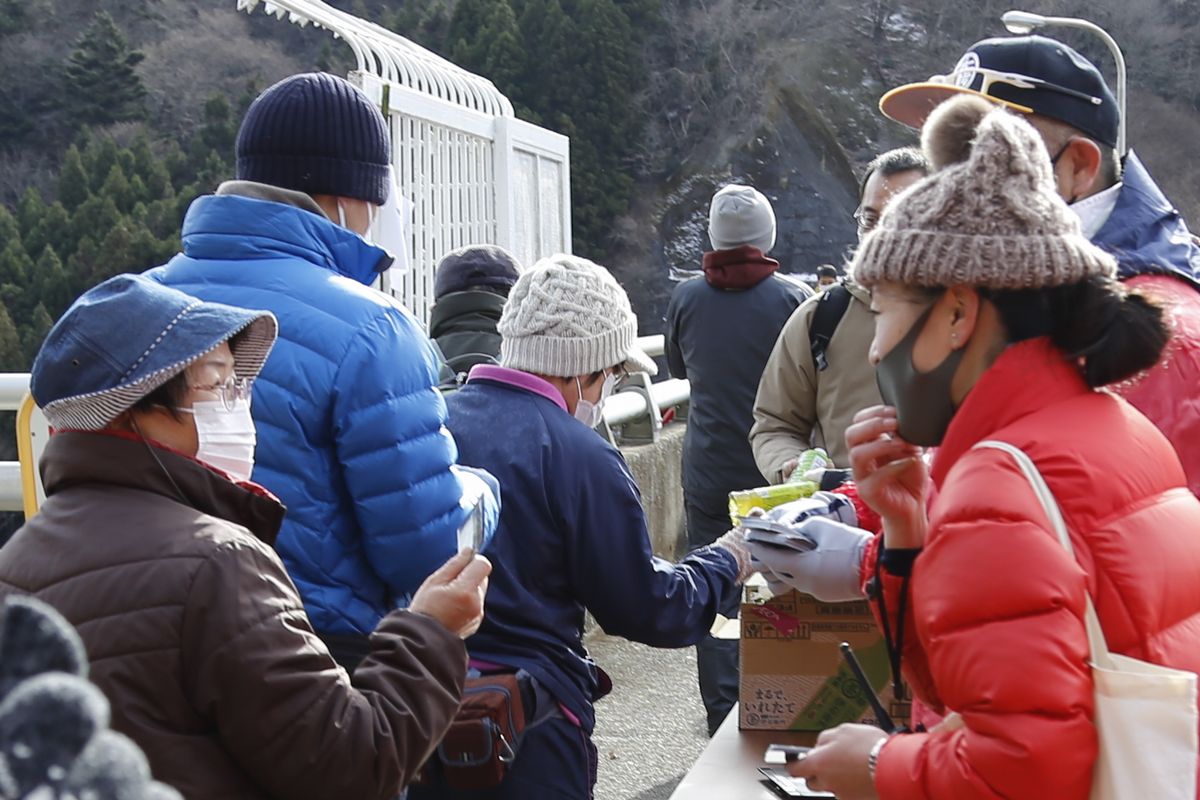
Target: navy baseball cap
(1030, 74)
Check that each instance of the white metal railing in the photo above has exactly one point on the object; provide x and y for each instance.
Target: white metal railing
(469, 171)
(13, 387)
(640, 403)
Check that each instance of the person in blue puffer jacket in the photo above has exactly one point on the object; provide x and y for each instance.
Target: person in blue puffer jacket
(351, 429)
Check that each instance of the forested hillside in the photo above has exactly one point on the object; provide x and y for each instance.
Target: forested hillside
(114, 115)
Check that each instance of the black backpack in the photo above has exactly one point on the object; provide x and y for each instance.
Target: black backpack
(830, 310)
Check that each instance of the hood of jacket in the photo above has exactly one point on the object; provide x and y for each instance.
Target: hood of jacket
(239, 224)
(74, 458)
(470, 311)
(1145, 232)
(737, 269)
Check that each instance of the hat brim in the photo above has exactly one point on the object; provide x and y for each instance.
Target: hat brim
(637, 361)
(912, 103)
(207, 324)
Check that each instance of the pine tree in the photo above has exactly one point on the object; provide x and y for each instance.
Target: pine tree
(52, 288)
(101, 79)
(95, 218)
(496, 51)
(73, 184)
(15, 265)
(98, 159)
(10, 229)
(81, 264)
(33, 333)
(16, 269)
(116, 187)
(219, 131)
(12, 359)
(30, 209)
(52, 230)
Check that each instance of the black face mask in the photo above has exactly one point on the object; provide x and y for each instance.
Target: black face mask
(922, 400)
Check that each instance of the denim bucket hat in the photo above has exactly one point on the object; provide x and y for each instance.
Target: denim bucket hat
(126, 337)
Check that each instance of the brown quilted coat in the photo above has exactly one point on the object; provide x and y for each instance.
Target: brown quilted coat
(199, 639)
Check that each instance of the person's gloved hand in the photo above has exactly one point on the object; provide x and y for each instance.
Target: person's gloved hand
(734, 542)
(829, 573)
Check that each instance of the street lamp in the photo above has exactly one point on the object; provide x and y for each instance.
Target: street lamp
(1023, 22)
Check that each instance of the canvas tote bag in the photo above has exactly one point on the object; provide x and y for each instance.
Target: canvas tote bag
(1146, 714)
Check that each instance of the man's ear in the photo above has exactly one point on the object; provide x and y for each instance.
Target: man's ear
(1081, 165)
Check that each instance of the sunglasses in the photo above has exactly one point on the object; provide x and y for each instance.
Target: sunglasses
(993, 76)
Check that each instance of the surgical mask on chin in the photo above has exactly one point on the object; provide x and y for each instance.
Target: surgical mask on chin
(922, 400)
(590, 413)
(227, 437)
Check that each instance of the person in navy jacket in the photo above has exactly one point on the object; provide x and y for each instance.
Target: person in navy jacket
(572, 534)
(351, 433)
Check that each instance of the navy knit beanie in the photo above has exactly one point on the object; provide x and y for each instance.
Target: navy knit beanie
(476, 265)
(316, 133)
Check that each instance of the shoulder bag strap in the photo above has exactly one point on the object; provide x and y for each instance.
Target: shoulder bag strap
(1096, 640)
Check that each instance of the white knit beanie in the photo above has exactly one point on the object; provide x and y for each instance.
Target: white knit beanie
(989, 215)
(566, 316)
(741, 215)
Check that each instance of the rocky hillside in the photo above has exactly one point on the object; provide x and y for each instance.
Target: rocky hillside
(778, 93)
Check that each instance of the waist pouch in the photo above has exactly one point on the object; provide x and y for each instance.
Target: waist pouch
(485, 736)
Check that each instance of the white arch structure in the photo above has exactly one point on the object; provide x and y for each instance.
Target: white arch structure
(474, 173)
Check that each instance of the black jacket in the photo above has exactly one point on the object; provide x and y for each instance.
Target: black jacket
(464, 326)
(720, 341)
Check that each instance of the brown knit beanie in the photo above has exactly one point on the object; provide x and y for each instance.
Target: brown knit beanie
(988, 216)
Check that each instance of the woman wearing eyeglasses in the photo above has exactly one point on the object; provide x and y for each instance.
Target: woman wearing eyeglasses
(997, 321)
(156, 547)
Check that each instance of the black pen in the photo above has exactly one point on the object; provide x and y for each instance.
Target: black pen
(881, 714)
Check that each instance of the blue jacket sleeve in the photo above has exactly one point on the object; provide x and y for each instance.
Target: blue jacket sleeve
(396, 453)
(631, 592)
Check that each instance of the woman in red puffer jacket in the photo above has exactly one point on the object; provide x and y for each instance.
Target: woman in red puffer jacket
(997, 320)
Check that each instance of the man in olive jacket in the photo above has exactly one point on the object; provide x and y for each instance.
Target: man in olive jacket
(808, 395)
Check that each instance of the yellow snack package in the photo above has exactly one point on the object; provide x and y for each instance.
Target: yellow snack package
(767, 497)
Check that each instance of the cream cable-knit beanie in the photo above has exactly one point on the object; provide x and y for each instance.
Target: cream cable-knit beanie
(567, 316)
(988, 216)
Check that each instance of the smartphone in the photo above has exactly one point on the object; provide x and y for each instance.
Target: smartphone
(470, 533)
(787, 786)
(784, 753)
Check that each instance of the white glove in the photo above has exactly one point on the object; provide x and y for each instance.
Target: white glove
(830, 573)
(820, 504)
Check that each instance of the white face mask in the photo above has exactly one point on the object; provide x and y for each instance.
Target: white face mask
(590, 413)
(390, 229)
(227, 437)
(1094, 211)
(372, 216)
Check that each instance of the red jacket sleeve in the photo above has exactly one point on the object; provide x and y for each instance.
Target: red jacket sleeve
(998, 610)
